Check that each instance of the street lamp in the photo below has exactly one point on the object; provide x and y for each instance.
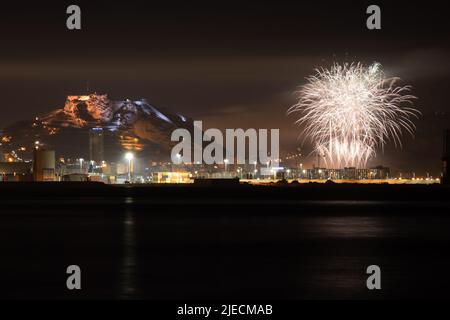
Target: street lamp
(239, 172)
(179, 162)
(81, 164)
(226, 162)
(129, 156)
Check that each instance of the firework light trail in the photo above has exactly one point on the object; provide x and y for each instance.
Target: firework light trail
(350, 110)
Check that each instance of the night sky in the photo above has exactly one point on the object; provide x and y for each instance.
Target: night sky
(230, 64)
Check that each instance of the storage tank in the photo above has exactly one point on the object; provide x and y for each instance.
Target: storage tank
(44, 165)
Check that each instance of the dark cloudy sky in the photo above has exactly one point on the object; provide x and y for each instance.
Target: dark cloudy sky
(230, 64)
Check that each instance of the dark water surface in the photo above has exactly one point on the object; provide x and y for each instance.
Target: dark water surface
(147, 247)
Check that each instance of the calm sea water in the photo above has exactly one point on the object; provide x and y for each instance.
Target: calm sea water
(133, 248)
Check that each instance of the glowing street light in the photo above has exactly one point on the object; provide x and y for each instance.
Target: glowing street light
(178, 161)
(129, 156)
(81, 164)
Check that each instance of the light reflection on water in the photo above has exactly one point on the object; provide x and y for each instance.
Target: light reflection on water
(347, 227)
(128, 282)
(304, 256)
(133, 248)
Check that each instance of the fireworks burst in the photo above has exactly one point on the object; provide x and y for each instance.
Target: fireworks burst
(350, 110)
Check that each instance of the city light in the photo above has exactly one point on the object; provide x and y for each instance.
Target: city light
(129, 156)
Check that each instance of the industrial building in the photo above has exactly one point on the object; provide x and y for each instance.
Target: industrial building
(15, 171)
(96, 145)
(348, 173)
(44, 165)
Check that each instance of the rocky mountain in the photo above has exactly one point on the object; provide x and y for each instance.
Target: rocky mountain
(126, 124)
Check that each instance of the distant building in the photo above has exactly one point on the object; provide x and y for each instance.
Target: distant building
(80, 177)
(171, 177)
(15, 171)
(96, 145)
(347, 173)
(350, 173)
(44, 165)
(380, 172)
